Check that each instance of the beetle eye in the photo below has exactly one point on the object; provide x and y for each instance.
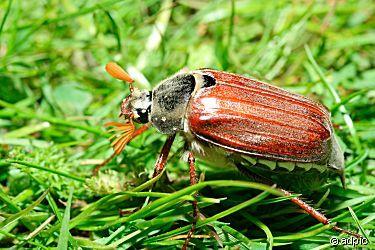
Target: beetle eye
(208, 81)
(143, 115)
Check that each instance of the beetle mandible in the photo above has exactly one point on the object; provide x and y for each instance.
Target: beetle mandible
(237, 121)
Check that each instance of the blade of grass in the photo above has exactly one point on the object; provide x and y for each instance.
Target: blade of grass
(8, 201)
(168, 201)
(24, 131)
(103, 201)
(360, 158)
(262, 226)
(108, 239)
(5, 17)
(40, 228)
(28, 113)
(123, 239)
(368, 219)
(321, 247)
(23, 196)
(155, 38)
(354, 216)
(352, 202)
(337, 99)
(25, 142)
(143, 212)
(22, 213)
(247, 243)
(57, 213)
(87, 243)
(297, 236)
(54, 207)
(58, 172)
(215, 217)
(81, 12)
(64, 231)
(278, 199)
(347, 99)
(20, 239)
(324, 197)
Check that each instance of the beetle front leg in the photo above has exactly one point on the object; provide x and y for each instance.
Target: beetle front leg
(161, 162)
(163, 157)
(193, 181)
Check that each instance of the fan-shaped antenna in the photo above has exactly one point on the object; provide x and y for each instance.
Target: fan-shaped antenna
(117, 72)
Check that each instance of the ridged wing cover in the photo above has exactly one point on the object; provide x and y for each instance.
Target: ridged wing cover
(258, 119)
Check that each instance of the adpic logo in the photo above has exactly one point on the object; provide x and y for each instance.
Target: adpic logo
(350, 241)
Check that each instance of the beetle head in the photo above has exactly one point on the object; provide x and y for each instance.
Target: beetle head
(137, 106)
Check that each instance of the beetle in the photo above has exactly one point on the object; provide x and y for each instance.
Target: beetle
(233, 120)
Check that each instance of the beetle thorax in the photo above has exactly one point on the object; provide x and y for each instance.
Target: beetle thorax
(137, 105)
(169, 102)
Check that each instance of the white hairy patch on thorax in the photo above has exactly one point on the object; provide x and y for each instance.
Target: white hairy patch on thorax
(216, 156)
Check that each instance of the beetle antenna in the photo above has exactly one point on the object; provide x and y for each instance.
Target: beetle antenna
(123, 133)
(119, 73)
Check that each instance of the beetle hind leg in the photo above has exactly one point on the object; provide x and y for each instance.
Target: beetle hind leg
(319, 216)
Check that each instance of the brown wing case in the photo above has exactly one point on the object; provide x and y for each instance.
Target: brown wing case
(256, 118)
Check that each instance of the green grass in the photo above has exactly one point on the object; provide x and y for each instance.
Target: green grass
(55, 98)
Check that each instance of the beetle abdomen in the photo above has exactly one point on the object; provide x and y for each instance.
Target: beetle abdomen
(298, 179)
(288, 166)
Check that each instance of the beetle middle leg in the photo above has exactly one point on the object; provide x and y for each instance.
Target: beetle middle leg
(193, 181)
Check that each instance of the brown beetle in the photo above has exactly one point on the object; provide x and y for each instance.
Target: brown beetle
(237, 121)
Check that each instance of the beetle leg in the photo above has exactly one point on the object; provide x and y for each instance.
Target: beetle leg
(193, 181)
(161, 162)
(163, 157)
(140, 130)
(106, 161)
(317, 215)
(303, 205)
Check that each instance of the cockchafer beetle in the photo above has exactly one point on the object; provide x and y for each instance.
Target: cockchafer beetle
(261, 129)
